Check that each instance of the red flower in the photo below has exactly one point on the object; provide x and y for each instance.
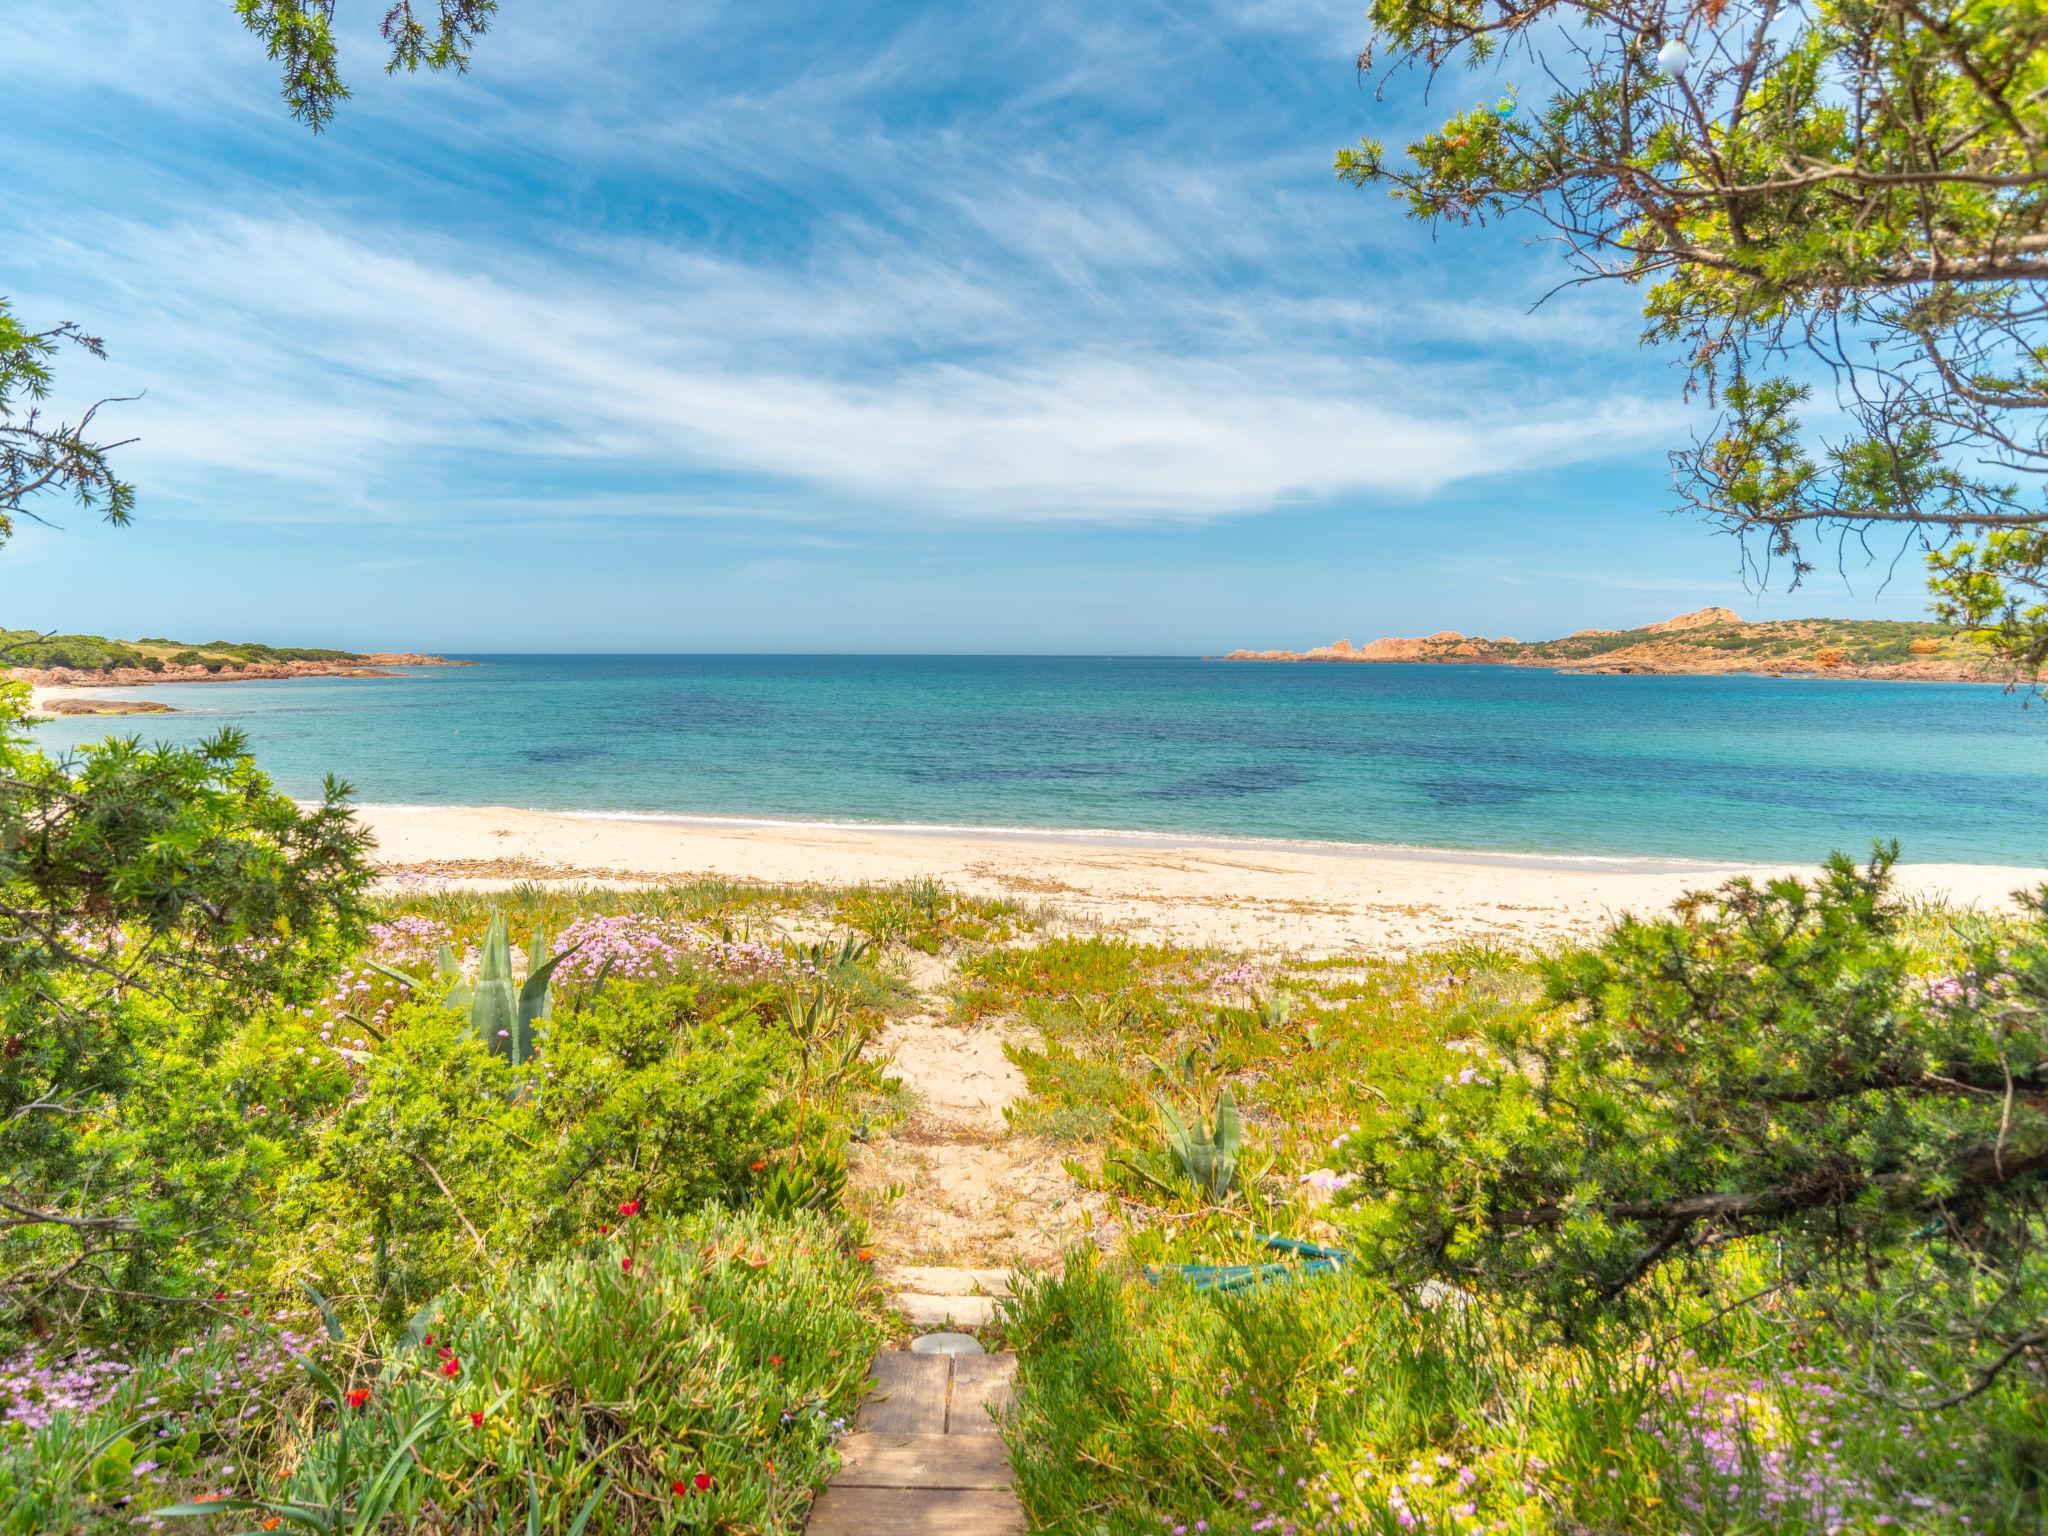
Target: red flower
(758, 1164)
(451, 1367)
(355, 1397)
(220, 1295)
(678, 1487)
(626, 1266)
(603, 1227)
(866, 1256)
(702, 1482)
(775, 1359)
(429, 1340)
(477, 1418)
(629, 1208)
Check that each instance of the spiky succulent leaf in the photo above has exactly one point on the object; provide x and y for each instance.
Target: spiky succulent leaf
(494, 1003)
(389, 973)
(1228, 1141)
(536, 1002)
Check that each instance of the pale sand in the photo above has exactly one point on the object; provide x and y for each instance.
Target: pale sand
(1237, 895)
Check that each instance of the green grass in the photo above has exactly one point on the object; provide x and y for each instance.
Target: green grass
(732, 1350)
(1337, 1404)
(926, 916)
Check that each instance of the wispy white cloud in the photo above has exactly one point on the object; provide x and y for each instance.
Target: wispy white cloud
(1005, 304)
(382, 355)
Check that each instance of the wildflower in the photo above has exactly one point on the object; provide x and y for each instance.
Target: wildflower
(775, 1359)
(702, 1481)
(866, 1256)
(629, 1208)
(757, 1165)
(273, 1522)
(477, 1418)
(356, 1397)
(626, 1265)
(451, 1367)
(603, 1227)
(678, 1487)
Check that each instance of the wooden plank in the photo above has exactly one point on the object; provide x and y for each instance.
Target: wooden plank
(916, 1512)
(909, 1397)
(922, 1461)
(982, 1393)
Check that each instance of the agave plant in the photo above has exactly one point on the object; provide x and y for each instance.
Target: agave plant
(1207, 1152)
(502, 1013)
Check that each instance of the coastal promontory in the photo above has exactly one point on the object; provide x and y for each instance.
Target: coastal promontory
(93, 661)
(1709, 640)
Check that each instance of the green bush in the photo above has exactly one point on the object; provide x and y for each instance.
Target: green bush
(1765, 1062)
(447, 1158)
(155, 898)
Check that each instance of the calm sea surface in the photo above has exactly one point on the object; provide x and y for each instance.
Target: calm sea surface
(1485, 758)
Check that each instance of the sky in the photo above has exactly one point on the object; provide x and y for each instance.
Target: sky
(956, 327)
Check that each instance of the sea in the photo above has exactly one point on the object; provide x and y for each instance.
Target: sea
(1489, 760)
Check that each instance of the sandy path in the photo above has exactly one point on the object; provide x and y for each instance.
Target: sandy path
(1253, 896)
(971, 1197)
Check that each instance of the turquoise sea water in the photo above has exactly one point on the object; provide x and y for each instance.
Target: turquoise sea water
(1490, 759)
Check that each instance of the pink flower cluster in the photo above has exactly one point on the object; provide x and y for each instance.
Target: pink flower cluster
(1775, 1446)
(410, 940)
(640, 948)
(33, 1392)
(1243, 977)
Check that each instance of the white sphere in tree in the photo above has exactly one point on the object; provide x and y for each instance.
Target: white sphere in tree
(1673, 58)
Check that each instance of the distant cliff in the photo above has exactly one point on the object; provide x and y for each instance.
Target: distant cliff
(1712, 640)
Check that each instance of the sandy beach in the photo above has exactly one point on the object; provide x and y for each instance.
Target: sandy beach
(1244, 895)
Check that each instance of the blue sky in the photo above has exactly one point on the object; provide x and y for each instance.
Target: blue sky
(949, 327)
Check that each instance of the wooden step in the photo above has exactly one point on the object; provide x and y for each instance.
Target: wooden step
(842, 1511)
(922, 1461)
(925, 1457)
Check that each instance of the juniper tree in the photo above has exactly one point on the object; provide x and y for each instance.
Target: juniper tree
(1848, 192)
(146, 892)
(300, 37)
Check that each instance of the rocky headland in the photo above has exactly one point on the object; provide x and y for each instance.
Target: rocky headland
(1708, 641)
(370, 664)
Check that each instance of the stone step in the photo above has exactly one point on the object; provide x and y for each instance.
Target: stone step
(940, 1280)
(928, 1312)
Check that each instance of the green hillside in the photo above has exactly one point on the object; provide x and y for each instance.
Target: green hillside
(1849, 643)
(96, 653)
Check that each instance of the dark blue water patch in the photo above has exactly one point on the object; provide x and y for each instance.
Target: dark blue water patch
(1469, 793)
(564, 752)
(998, 773)
(1232, 783)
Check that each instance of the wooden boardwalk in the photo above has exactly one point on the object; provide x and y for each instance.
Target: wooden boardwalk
(924, 1458)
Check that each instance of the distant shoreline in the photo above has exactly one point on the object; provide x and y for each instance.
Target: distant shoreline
(1712, 642)
(369, 664)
